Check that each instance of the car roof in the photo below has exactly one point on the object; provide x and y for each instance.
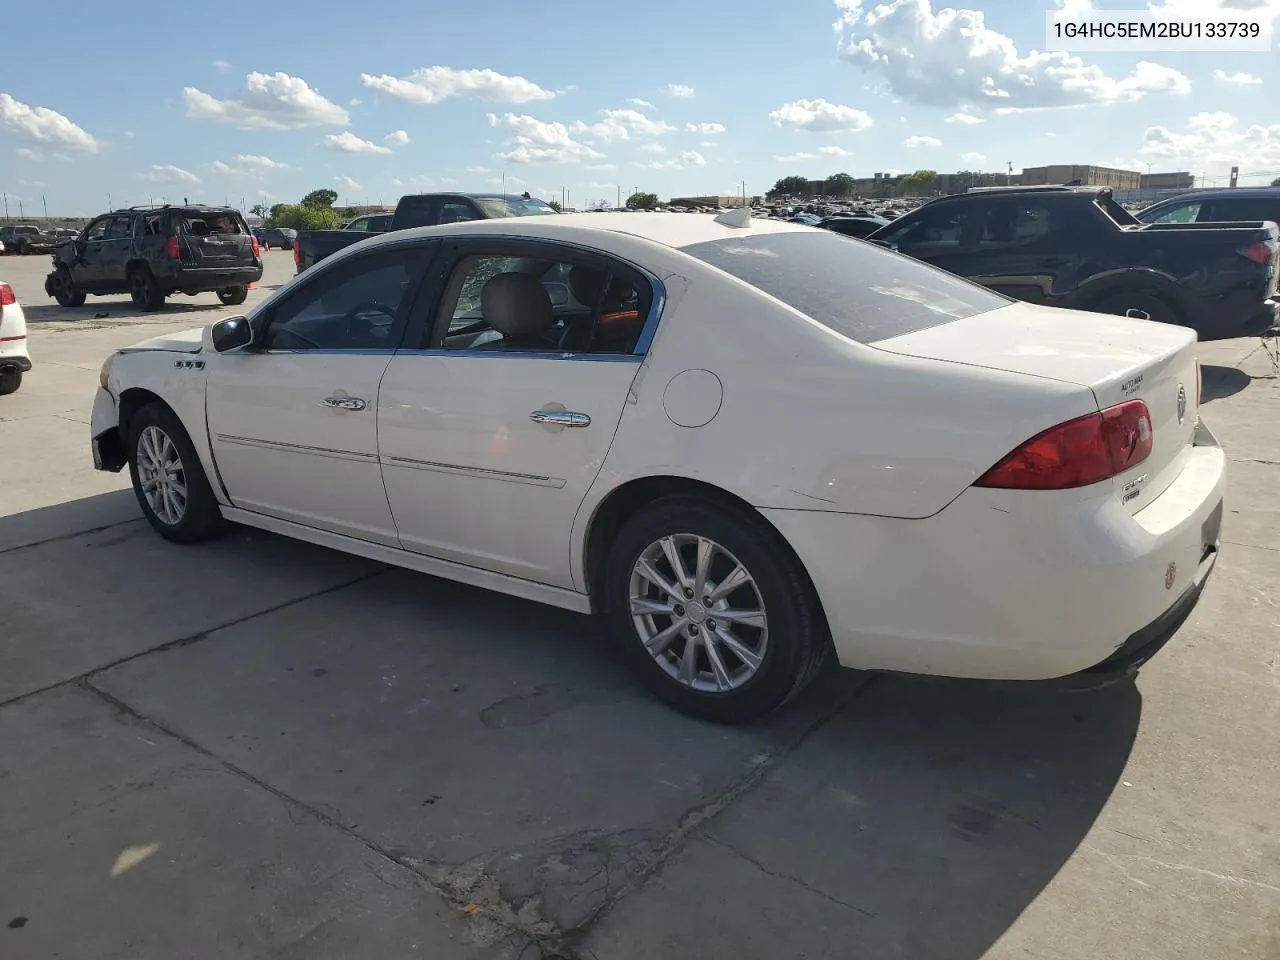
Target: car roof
(671, 230)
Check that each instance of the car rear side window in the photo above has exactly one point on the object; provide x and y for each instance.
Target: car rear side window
(853, 287)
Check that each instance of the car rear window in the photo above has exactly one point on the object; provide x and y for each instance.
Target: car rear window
(513, 207)
(208, 224)
(857, 289)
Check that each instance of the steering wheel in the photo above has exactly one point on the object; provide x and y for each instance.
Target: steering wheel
(350, 318)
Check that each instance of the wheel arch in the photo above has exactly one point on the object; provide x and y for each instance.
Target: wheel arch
(634, 495)
(136, 262)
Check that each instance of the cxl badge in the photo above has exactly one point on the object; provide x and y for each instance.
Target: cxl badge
(1182, 403)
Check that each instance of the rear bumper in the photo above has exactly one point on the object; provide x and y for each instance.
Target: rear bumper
(1007, 585)
(16, 362)
(208, 279)
(1246, 323)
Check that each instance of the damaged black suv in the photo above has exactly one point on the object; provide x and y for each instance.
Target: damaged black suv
(153, 252)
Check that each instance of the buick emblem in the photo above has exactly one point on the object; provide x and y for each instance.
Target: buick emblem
(1182, 403)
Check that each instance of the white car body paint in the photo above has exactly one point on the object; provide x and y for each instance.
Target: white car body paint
(13, 333)
(863, 456)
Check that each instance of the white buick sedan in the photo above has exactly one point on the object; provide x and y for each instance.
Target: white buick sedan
(747, 445)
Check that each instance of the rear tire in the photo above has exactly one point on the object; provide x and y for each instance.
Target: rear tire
(168, 479)
(144, 291)
(1155, 307)
(754, 646)
(10, 381)
(231, 296)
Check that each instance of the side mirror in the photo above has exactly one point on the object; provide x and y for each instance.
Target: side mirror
(231, 334)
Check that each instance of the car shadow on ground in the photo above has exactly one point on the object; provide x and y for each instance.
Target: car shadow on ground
(96, 308)
(1218, 383)
(500, 750)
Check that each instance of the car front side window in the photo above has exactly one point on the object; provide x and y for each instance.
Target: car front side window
(1178, 213)
(361, 304)
(97, 230)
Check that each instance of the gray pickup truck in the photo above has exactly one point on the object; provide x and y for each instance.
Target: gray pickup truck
(419, 210)
(23, 238)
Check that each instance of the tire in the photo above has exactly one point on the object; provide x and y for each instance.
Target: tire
(10, 381)
(1155, 307)
(792, 641)
(144, 291)
(231, 296)
(157, 435)
(65, 290)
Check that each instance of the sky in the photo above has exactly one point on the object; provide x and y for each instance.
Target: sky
(262, 102)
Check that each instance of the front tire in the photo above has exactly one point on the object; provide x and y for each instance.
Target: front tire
(144, 291)
(231, 296)
(65, 290)
(10, 381)
(168, 480)
(712, 610)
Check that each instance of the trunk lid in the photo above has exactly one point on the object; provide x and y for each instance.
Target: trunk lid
(1119, 359)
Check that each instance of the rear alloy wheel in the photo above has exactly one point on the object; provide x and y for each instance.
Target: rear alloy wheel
(10, 381)
(144, 290)
(168, 480)
(234, 295)
(712, 610)
(65, 290)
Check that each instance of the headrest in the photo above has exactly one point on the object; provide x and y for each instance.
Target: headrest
(517, 306)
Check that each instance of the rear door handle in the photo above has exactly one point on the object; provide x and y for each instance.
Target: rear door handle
(560, 418)
(343, 403)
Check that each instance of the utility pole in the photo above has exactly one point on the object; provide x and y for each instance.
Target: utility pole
(1008, 177)
(504, 184)
(46, 206)
(21, 215)
(6, 205)
(619, 204)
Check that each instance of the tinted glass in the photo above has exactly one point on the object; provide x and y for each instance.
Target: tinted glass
(457, 211)
(1222, 209)
(360, 304)
(514, 207)
(1174, 213)
(853, 287)
(120, 228)
(934, 230)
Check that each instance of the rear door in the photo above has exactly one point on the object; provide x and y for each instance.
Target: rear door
(212, 240)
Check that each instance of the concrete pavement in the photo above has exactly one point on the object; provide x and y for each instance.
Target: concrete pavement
(259, 748)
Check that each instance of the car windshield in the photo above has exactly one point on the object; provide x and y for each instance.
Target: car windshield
(855, 288)
(497, 208)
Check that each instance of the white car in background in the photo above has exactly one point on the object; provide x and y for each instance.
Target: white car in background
(14, 358)
(748, 445)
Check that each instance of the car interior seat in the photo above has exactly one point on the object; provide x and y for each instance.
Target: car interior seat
(618, 325)
(518, 306)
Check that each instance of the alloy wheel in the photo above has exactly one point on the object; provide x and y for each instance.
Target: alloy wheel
(161, 476)
(699, 613)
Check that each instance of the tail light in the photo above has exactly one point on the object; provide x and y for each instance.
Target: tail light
(1260, 252)
(6, 297)
(253, 244)
(1086, 450)
(297, 254)
(171, 248)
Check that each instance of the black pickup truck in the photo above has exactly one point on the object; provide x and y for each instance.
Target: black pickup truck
(1076, 247)
(419, 210)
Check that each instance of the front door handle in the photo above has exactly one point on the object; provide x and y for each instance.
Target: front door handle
(343, 403)
(560, 418)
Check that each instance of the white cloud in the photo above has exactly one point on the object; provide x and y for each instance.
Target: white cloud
(922, 142)
(168, 173)
(657, 165)
(833, 151)
(269, 101)
(44, 125)
(621, 125)
(602, 167)
(129, 134)
(26, 153)
(221, 65)
(397, 137)
(537, 141)
(397, 182)
(642, 104)
(348, 142)
(679, 91)
(653, 148)
(693, 159)
(828, 151)
(707, 143)
(951, 57)
(354, 102)
(248, 165)
(1237, 79)
(32, 183)
(476, 169)
(690, 158)
(1212, 143)
(820, 116)
(705, 128)
(964, 118)
(510, 180)
(348, 183)
(433, 84)
(973, 158)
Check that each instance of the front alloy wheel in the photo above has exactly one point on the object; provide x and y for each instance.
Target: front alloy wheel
(161, 476)
(699, 613)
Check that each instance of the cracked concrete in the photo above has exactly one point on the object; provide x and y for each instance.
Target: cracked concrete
(257, 748)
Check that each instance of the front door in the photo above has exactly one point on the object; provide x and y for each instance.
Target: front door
(88, 269)
(491, 436)
(293, 421)
(1029, 248)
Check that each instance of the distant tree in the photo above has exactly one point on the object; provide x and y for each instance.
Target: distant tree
(258, 209)
(838, 185)
(304, 216)
(554, 205)
(790, 187)
(1276, 182)
(642, 201)
(324, 197)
